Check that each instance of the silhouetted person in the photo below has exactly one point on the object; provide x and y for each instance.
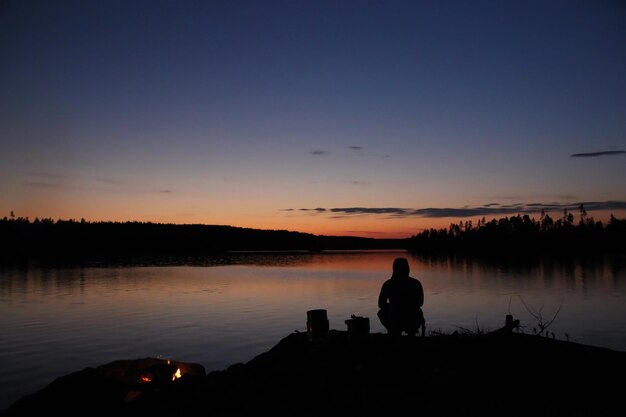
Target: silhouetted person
(400, 301)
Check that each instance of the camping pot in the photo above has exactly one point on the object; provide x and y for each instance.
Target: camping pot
(317, 324)
(358, 326)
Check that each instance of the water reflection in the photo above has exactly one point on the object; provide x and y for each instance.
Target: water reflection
(221, 310)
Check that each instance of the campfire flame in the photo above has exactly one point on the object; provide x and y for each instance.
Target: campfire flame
(176, 374)
(160, 374)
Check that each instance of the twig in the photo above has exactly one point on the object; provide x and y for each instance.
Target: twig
(543, 326)
(555, 314)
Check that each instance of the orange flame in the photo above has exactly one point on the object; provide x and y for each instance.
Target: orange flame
(176, 375)
(146, 379)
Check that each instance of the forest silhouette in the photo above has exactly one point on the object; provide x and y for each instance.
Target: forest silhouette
(23, 239)
(523, 235)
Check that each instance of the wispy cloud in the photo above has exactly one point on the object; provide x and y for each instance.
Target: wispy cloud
(54, 181)
(110, 181)
(369, 210)
(46, 180)
(49, 185)
(527, 197)
(490, 209)
(602, 205)
(433, 212)
(42, 174)
(594, 154)
(318, 152)
(512, 209)
(356, 148)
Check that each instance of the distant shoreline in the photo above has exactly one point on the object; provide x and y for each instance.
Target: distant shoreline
(22, 240)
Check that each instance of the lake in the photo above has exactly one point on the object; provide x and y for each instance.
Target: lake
(219, 311)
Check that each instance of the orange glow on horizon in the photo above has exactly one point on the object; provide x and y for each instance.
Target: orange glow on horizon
(369, 226)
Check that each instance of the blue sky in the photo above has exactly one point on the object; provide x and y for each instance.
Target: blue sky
(243, 113)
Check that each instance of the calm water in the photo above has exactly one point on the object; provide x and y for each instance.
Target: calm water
(56, 321)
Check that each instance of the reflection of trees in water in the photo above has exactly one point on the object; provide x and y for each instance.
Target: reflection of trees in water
(43, 280)
(589, 267)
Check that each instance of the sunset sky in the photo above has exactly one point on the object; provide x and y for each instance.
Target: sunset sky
(368, 118)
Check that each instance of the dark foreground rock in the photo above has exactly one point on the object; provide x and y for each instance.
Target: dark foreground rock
(498, 374)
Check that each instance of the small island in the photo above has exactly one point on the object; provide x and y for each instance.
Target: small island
(356, 373)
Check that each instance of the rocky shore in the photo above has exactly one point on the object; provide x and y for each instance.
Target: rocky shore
(497, 374)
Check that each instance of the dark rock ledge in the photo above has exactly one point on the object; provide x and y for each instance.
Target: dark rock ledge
(495, 374)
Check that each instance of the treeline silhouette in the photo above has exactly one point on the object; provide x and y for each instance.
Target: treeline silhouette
(23, 239)
(46, 239)
(523, 235)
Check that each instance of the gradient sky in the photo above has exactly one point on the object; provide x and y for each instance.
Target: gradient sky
(370, 118)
